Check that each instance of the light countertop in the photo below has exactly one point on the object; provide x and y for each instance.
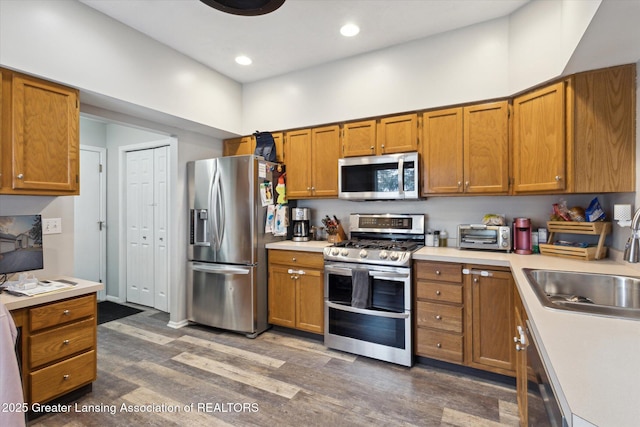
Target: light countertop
(83, 287)
(594, 360)
(289, 245)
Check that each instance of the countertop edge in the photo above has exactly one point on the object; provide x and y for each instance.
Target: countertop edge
(83, 287)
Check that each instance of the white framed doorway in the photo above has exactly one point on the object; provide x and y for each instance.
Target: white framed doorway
(90, 218)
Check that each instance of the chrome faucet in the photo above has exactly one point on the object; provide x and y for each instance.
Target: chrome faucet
(632, 248)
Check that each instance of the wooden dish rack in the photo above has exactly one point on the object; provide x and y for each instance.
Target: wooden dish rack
(569, 227)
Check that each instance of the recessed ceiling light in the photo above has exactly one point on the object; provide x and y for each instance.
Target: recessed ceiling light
(243, 60)
(349, 30)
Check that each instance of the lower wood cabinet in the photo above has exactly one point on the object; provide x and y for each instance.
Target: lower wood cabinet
(490, 319)
(465, 315)
(296, 290)
(58, 347)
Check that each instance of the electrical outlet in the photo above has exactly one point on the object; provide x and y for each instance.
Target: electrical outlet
(51, 225)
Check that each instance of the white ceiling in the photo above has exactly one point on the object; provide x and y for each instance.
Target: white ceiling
(300, 34)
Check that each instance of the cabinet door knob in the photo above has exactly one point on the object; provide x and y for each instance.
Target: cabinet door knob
(65, 377)
(438, 317)
(65, 342)
(439, 345)
(66, 312)
(438, 293)
(293, 259)
(372, 148)
(558, 178)
(437, 272)
(20, 176)
(467, 183)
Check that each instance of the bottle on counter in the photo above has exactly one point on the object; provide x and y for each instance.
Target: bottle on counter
(443, 238)
(436, 238)
(429, 239)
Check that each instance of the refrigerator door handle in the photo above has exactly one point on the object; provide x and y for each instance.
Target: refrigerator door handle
(216, 202)
(220, 269)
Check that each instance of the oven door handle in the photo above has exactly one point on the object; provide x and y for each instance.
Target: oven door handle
(367, 312)
(338, 270)
(388, 275)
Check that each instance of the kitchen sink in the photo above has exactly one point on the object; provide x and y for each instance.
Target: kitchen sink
(589, 293)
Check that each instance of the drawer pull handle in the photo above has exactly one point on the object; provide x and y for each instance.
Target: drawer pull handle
(293, 259)
(66, 312)
(438, 317)
(65, 342)
(438, 293)
(65, 377)
(437, 272)
(439, 345)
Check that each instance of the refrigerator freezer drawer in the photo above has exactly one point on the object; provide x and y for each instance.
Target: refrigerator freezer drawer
(222, 296)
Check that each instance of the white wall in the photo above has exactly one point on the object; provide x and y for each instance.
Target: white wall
(71, 43)
(490, 60)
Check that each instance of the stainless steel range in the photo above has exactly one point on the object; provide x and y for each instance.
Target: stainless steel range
(367, 284)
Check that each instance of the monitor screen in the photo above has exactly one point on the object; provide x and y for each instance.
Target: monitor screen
(20, 243)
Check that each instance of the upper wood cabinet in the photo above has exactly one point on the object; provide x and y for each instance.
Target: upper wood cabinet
(539, 140)
(239, 146)
(604, 132)
(40, 137)
(247, 145)
(311, 158)
(396, 134)
(466, 150)
(577, 135)
(359, 139)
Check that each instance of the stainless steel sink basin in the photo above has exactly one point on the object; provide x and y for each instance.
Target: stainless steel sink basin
(600, 294)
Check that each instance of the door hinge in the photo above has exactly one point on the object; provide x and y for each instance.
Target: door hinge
(100, 168)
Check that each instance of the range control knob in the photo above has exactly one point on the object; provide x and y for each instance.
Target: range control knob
(344, 252)
(335, 251)
(363, 254)
(394, 256)
(383, 254)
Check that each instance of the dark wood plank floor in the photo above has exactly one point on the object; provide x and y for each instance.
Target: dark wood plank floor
(152, 375)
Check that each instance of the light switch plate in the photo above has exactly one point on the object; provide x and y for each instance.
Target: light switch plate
(51, 225)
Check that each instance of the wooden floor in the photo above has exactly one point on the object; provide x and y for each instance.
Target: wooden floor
(152, 375)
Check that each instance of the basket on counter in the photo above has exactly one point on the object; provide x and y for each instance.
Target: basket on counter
(569, 227)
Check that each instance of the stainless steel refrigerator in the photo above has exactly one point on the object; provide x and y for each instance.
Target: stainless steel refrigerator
(227, 268)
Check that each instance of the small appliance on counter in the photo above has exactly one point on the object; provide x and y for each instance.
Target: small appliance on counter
(522, 243)
(301, 228)
(484, 237)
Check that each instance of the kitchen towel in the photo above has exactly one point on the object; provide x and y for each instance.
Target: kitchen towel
(360, 288)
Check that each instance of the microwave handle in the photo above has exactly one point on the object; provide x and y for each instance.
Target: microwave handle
(401, 176)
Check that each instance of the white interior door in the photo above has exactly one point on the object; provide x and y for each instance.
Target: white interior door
(147, 236)
(90, 243)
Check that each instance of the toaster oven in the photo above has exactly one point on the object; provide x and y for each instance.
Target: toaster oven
(489, 237)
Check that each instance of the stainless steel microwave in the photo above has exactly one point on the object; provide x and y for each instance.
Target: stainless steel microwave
(386, 177)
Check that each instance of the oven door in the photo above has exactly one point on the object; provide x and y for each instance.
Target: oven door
(382, 330)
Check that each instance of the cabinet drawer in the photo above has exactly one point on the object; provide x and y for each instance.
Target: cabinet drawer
(446, 272)
(62, 312)
(293, 258)
(439, 345)
(439, 316)
(61, 342)
(58, 379)
(436, 291)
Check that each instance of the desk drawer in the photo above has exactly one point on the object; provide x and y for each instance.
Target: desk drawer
(439, 345)
(56, 380)
(446, 272)
(439, 316)
(61, 342)
(293, 258)
(437, 291)
(62, 312)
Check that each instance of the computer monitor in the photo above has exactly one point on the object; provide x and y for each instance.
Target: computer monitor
(20, 244)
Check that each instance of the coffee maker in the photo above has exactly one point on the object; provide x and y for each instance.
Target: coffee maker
(300, 224)
(522, 243)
